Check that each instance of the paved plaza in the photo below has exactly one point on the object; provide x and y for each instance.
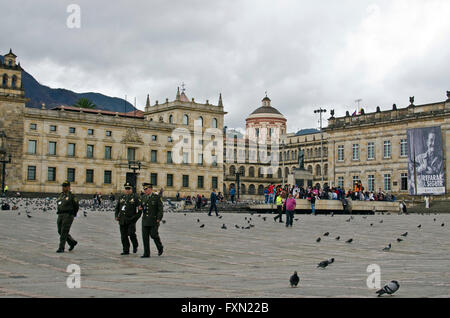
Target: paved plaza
(232, 262)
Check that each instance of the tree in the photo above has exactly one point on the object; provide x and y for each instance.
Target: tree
(85, 103)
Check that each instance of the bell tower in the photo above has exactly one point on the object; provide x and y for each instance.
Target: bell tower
(11, 76)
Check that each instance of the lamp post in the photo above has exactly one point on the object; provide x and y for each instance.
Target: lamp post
(3, 159)
(238, 183)
(134, 165)
(320, 111)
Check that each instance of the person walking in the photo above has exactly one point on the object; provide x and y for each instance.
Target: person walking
(290, 204)
(279, 203)
(152, 214)
(213, 200)
(127, 214)
(67, 209)
(313, 204)
(232, 194)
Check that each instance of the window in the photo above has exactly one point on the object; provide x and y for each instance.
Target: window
(200, 121)
(90, 151)
(370, 150)
(200, 159)
(52, 148)
(169, 157)
(71, 150)
(200, 182)
(71, 130)
(387, 149)
(387, 182)
(403, 148)
(185, 181)
(214, 160)
(185, 119)
(131, 154)
(89, 176)
(90, 132)
(355, 152)
(108, 177)
(214, 182)
(153, 155)
(404, 181)
(169, 180)
(32, 147)
(154, 179)
(33, 126)
(170, 119)
(169, 139)
(154, 137)
(31, 173)
(108, 133)
(340, 182)
(214, 123)
(51, 174)
(371, 182)
(52, 128)
(341, 153)
(257, 132)
(71, 174)
(185, 158)
(108, 150)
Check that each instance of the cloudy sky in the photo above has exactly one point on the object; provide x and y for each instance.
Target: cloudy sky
(305, 54)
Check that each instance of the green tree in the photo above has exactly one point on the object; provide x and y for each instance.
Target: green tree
(84, 103)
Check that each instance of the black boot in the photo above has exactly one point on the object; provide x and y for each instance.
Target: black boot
(73, 246)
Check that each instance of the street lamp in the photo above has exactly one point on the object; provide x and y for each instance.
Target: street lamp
(134, 165)
(3, 159)
(238, 183)
(320, 111)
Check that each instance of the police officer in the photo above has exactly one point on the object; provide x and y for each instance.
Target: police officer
(68, 207)
(152, 208)
(127, 215)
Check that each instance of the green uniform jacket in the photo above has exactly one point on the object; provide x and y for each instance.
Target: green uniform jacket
(127, 209)
(153, 209)
(67, 203)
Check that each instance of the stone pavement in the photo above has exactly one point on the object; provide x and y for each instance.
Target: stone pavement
(215, 262)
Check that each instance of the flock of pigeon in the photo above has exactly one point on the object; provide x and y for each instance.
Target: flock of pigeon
(48, 204)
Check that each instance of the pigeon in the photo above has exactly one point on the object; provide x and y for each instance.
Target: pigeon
(203, 225)
(185, 214)
(442, 224)
(224, 227)
(164, 221)
(29, 216)
(332, 213)
(294, 280)
(236, 226)
(349, 240)
(318, 239)
(387, 248)
(419, 226)
(220, 217)
(371, 224)
(381, 221)
(84, 213)
(399, 240)
(405, 234)
(325, 263)
(337, 238)
(326, 234)
(390, 288)
(434, 220)
(248, 227)
(347, 220)
(264, 218)
(296, 219)
(198, 220)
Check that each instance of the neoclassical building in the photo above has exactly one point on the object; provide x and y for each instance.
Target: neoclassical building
(182, 146)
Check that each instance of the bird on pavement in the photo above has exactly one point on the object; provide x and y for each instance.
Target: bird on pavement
(442, 224)
(326, 234)
(294, 280)
(236, 226)
(349, 240)
(325, 263)
(203, 225)
(337, 238)
(419, 226)
(389, 289)
(387, 248)
(224, 227)
(318, 239)
(399, 240)
(264, 218)
(405, 234)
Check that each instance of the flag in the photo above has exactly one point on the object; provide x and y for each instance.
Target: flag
(354, 113)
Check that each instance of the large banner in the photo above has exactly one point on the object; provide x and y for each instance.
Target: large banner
(426, 161)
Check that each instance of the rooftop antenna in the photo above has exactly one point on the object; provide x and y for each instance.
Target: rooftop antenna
(182, 87)
(358, 101)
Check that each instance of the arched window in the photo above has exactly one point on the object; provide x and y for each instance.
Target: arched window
(261, 189)
(318, 170)
(325, 169)
(232, 170)
(200, 119)
(170, 119)
(260, 173)
(13, 81)
(286, 171)
(214, 123)
(269, 173)
(185, 119)
(280, 173)
(310, 168)
(5, 80)
(242, 171)
(251, 171)
(242, 189)
(251, 189)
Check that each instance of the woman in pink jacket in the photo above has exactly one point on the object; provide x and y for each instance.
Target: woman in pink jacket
(290, 204)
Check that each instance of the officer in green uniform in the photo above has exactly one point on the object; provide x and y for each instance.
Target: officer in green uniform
(152, 208)
(127, 215)
(68, 206)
